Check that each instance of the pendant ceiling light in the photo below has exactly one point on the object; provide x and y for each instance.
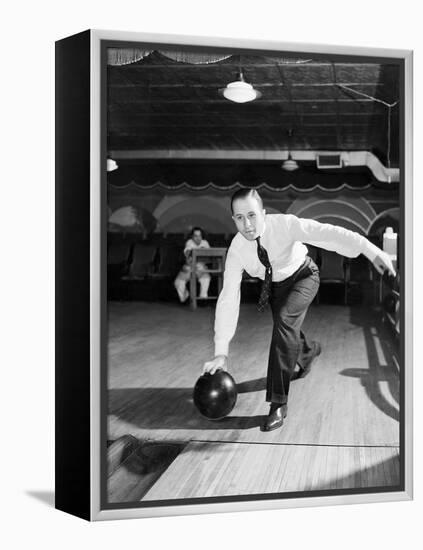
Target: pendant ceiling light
(240, 91)
(111, 165)
(289, 165)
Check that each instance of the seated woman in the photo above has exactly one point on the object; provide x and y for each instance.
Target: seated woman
(195, 241)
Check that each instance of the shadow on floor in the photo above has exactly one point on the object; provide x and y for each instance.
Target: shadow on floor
(172, 409)
(383, 474)
(258, 384)
(381, 351)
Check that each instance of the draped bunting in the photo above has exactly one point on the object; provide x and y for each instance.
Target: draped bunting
(125, 56)
(211, 186)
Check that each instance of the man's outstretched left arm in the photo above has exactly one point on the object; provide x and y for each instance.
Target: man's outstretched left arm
(338, 239)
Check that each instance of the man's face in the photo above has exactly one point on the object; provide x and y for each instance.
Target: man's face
(197, 237)
(249, 216)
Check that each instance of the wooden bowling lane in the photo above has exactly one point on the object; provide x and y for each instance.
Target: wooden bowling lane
(206, 469)
(156, 352)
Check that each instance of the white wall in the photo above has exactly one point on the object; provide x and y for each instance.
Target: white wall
(28, 32)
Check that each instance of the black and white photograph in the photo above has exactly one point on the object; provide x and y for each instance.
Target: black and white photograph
(253, 269)
(211, 275)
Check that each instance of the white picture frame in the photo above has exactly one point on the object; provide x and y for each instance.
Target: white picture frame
(81, 493)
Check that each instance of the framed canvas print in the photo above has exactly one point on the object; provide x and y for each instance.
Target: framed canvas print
(233, 275)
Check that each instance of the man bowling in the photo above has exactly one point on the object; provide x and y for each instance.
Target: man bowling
(270, 246)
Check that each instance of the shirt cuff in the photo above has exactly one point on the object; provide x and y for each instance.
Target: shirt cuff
(370, 250)
(221, 347)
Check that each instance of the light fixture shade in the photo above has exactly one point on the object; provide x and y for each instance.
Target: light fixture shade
(290, 164)
(240, 92)
(111, 165)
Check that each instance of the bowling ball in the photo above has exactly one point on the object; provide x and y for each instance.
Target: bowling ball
(389, 303)
(215, 394)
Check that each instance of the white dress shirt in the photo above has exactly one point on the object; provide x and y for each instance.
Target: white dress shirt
(283, 238)
(190, 245)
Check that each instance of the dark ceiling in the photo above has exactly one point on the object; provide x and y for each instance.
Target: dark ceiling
(157, 103)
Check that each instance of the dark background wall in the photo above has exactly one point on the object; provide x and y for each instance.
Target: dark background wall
(174, 197)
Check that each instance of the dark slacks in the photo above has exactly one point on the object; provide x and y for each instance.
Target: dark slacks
(289, 303)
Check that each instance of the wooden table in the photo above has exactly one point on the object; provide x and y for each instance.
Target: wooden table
(217, 257)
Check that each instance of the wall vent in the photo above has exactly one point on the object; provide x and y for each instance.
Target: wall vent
(329, 161)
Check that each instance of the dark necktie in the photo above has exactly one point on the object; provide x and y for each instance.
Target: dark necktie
(266, 287)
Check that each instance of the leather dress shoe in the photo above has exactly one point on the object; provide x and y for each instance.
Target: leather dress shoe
(275, 417)
(306, 367)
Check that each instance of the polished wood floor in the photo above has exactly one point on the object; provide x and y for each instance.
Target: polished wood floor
(342, 429)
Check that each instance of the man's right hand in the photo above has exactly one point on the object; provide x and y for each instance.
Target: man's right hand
(219, 362)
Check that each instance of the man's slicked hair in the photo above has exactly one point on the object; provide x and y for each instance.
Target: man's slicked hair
(243, 194)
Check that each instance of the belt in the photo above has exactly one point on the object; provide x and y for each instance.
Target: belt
(295, 275)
